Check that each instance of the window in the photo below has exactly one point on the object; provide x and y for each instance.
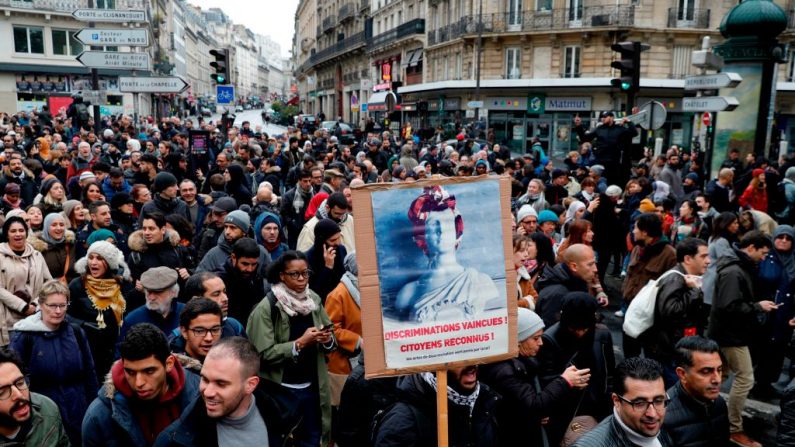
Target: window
(446, 72)
(400, 17)
(543, 5)
(513, 63)
(791, 71)
(575, 10)
(28, 39)
(686, 10)
(106, 4)
(514, 12)
(571, 63)
(458, 65)
(64, 43)
(680, 63)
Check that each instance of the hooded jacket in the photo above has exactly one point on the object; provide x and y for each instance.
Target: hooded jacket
(112, 419)
(733, 317)
(18, 273)
(259, 223)
(237, 187)
(59, 365)
(60, 258)
(553, 285)
(28, 189)
(215, 259)
(412, 420)
(307, 237)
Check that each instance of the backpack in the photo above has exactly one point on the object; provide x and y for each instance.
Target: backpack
(640, 313)
(82, 113)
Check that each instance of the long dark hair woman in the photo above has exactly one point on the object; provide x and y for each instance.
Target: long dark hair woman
(725, 229)
(237, 184)
(293, 333)
(98, 302)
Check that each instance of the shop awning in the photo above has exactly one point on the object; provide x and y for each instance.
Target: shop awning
(383, 101)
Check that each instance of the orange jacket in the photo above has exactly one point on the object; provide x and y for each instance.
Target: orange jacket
(347, 318)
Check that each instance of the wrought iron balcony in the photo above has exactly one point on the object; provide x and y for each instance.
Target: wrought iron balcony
(416, 26)
(329, 23)
(529, 21)
(347, 11)
(68, 5)
(337, 49)
(688, 18)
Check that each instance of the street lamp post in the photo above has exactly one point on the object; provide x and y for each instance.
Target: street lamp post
(477, 66)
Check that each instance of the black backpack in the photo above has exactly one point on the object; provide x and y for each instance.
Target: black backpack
(82, 113)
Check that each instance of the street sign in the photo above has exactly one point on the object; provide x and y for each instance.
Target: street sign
(95, 97)
(475, 104)
(110, 15)
(710, 104)
(113, 59)
(161, 84)
(133, 37)
(711, 82)
(225, 94)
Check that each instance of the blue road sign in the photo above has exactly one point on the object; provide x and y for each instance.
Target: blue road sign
(225, 94)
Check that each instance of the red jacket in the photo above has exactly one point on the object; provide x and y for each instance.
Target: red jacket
(754, 198)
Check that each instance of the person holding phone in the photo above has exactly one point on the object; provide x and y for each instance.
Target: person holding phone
(293, 333)
(326, 258)
(527, 406)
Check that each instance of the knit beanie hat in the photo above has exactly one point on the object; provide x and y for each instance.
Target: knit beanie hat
(578, 311)
(164, 180)
(528, 323)
(325, 229)
(757, 172)
(547, 216)
(524, 211)
(119, 199)
(692, 176)
(239, 219)
(112, 255)
(47, 185)
(647, 206)
(613, 191)
(102, 234)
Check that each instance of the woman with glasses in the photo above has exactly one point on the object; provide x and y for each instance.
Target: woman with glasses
(98, 302)
(776, 282)
(293, 333)
(58, 357)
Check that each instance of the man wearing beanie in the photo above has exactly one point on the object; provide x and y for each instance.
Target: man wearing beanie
(237, 225)
(268, 232)
(164, 197)
(526, 220)
(121, 211)
(577, 340)
(326, 258)
(526, 404)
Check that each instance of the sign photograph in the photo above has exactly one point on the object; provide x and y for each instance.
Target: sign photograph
(435, 291)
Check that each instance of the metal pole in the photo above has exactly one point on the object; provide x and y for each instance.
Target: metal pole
(477, 66)
(94, 82)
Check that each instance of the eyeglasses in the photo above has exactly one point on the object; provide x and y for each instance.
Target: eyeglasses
(641, 406)
(56, 306)
(20, 384)
(296, 275)
(202, 331)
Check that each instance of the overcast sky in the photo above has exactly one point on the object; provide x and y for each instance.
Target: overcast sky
(274, 18)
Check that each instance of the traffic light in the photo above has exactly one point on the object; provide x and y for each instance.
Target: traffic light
(629, 66)
(221, 66)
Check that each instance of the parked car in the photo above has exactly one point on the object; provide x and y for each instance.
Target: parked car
(343, 131)
(205, 111)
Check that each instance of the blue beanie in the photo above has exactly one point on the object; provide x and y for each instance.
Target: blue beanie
(547, 216)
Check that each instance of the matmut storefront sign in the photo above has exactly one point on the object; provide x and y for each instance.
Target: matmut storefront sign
(567, 103)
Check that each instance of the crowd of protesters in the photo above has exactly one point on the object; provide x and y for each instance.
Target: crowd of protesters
(153, 294)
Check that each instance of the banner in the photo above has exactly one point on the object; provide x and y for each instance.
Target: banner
(435, 273)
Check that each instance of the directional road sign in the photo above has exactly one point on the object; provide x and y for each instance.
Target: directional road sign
(110, 15)
(112, 59)
(161, 84)
(710, 104)
(224, 94)
(132, 37)
(711, 82)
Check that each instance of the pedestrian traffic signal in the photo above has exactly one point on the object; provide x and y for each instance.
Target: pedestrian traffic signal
(221, 66)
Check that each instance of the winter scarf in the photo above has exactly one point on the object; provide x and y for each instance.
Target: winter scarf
(104, 294)
(453, 395)
(292, 302)
(300, 198)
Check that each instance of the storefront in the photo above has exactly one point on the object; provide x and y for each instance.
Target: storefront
(34, 90)
(515, 121)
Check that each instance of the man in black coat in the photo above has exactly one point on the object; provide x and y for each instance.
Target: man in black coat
(165, 200)
(294, 205)
(697, 415)
(611, 144)
(575, 274)
(245, 285)
(471, 407)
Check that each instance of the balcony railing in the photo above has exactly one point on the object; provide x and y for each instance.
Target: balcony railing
(347, 11)
(329, 23)
(67, 5)
(343, 46)
(688, 18)
(416, 26)
(529, 21)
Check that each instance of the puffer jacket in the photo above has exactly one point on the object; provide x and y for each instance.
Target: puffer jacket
(609, 434)
(18, 273)
(60, 258)
(412, 421)
(169, 253)
(692, 423)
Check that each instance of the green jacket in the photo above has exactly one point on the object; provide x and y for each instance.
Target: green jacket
(47, 429)
(275, 348)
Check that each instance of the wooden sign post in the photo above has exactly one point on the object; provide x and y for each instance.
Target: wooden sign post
(441, 408)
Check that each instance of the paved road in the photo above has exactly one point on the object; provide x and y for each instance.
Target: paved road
(254, 116)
